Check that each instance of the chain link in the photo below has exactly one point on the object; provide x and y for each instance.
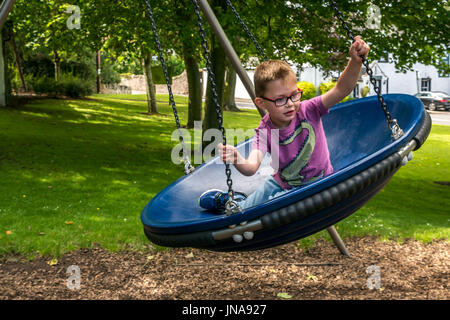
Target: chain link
(211, 78)
(188, 168)
(397, 132)
(244, 26)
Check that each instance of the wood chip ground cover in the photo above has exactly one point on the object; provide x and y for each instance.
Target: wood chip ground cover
(376, 270)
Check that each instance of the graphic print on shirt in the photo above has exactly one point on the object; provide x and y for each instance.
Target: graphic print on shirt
(291, 173)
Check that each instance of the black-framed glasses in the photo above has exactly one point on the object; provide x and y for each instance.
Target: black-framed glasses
(282, 101)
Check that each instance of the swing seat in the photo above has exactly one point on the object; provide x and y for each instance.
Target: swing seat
(364, 158)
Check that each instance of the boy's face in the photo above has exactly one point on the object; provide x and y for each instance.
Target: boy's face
(281, 116)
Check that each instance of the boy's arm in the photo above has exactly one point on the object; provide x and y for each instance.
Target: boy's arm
(349, 77)
(247, 167)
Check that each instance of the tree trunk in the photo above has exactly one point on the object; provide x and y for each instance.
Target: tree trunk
(149, 85)
(195, 88)
(15, 50)
(229, 103)
(99, 72)
(57, 62)
(2, 73)
(218, 68)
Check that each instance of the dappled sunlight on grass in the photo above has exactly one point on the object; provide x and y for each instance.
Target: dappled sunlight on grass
(77, 173)
(35, 114)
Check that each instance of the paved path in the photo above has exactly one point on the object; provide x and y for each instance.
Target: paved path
(440, 117)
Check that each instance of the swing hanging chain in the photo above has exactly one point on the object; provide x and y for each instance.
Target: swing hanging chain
(244, 26)
(188, 168)
(397, 132)
(231, 204)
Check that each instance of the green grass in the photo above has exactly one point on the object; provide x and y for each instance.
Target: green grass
(412, 205)
(93, 163)
(77, 174)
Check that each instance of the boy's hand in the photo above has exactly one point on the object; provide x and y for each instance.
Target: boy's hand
(359, 48)
(227, 153)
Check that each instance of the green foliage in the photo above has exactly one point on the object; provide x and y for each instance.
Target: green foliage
(40, 64)
(128, 64)
(67, 85)
(365, 91)
(176, 64)
(158, 74)
(74, 87)
(309, 90)
(109, 74)
(43, 85)
(327, 86)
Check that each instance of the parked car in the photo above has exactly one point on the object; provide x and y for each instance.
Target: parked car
(434, 100)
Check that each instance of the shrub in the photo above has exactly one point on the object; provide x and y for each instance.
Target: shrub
(109, 74)
(364, 91)
(74, 87)
(44, 85)
(327, 86)
(67, 85)
(309, 90)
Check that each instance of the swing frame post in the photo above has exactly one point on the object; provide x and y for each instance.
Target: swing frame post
(237, 65)
(338, 241)
(229, 50)
(4, 10)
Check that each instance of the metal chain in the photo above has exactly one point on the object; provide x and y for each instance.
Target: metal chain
(211, 77)
(397, 132)
(188, 168)
(244, 26)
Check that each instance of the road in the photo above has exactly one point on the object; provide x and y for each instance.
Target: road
(440, 117)
(437, 117)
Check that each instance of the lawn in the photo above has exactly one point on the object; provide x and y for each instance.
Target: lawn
(77, 173)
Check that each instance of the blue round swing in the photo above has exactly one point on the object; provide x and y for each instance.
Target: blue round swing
(363, 153)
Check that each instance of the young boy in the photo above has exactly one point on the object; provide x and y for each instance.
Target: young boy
(301, 153)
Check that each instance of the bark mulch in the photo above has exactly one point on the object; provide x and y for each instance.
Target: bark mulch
(376, 270)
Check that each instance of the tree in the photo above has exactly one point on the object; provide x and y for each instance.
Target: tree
(43, 25)
(129, 34)
(66, 33)
(149, 85)
(186, 44)
(412, 31)
(195, 85)
(228, 99)
(17, 56)
(308, 31)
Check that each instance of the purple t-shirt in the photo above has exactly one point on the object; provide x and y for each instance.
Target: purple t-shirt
(299, 151)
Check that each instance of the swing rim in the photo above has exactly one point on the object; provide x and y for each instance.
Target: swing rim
(379, 174)
(413, 133)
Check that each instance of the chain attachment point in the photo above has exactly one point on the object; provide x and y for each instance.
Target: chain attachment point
(232, 207)
(397, 132)
(188, 168)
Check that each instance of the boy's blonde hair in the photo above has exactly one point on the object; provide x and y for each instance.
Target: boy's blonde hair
(270, 70)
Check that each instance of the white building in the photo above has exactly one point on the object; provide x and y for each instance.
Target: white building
(421, 78)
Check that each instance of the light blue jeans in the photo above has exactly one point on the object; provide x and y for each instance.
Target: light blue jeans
(269, 190)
